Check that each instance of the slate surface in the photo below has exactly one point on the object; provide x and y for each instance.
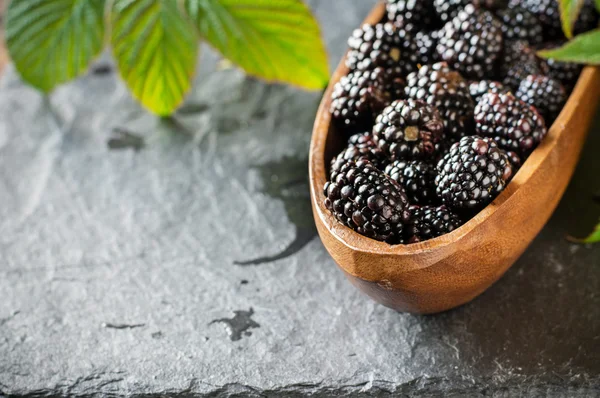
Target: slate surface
(144, 256)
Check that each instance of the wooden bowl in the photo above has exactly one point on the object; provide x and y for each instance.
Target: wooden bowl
(451, 270)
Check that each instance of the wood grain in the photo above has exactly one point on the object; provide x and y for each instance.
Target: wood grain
(453, 269)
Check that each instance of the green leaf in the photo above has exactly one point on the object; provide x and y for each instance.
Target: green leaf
(156, 49)
(53, 41)
(593, 238)
(569, 11)
(597, 5)
(584, 49)
(278, 40)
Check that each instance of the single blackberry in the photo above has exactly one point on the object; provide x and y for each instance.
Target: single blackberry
(408, 129)
(521, 24)
(417, 178)
(412, 15)
(588, 18)
(360, 146)
(447, 91)
(448, 9)
(566, 72)
(472, 173)
(513, 124)
(358, 97)
(471, 42)
(519, 61)
(546, 94)
(494, 5)
(478, 88)
(548, 13)
(382, 45)
(368, 201)
(426, 45)
(431, 222)
(514, 160)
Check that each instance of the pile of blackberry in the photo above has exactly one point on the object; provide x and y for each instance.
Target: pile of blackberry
(443, 102)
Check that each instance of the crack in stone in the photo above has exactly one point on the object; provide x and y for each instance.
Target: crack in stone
(122, 325)
(3, 321)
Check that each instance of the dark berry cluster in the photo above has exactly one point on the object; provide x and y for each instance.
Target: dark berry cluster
(443, 102)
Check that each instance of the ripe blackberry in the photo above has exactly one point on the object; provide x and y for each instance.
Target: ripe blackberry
(588, 18)
(412, 15)
(431, 222)
(521, 24)
(513, 124)
(448, 9)
(408, 129)
(549, 15)
(471, 43)
(358, 97)
(447, 91)
(417, 178)
(546, 94)
(478, 88)
(426, 44)
(368, 201)
(382, 45)
(360, 146)
(566, 72)
(472, 173)
(514, 160)
(519, 61)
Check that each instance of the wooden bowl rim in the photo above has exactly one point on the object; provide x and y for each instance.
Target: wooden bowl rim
(363, 244)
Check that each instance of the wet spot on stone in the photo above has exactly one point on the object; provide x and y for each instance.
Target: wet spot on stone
(193, 109)
(157, 335)
(101, 69)
(287, 180)
(122, 325)
(123, 139)
(238, 325)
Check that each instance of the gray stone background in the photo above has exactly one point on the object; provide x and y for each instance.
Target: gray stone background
(148, 257)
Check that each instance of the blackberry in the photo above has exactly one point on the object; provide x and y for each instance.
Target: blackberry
(431, 222)
(521, 24)
(408, 129)
(360, 146)
(417, 178)
(412, 15)
(588, 18)
(566, 72)
(382, 45)
(472, 173)
(358, 97)
(447, 91)
(546, 94)
(513, 124)
(426, 45)
(549, 15)
(514, 160)
(478, 88)
(519, 61)
(448, 9)
(368, 201)
(471, 43)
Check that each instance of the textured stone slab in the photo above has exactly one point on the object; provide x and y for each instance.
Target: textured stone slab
(144, 256)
